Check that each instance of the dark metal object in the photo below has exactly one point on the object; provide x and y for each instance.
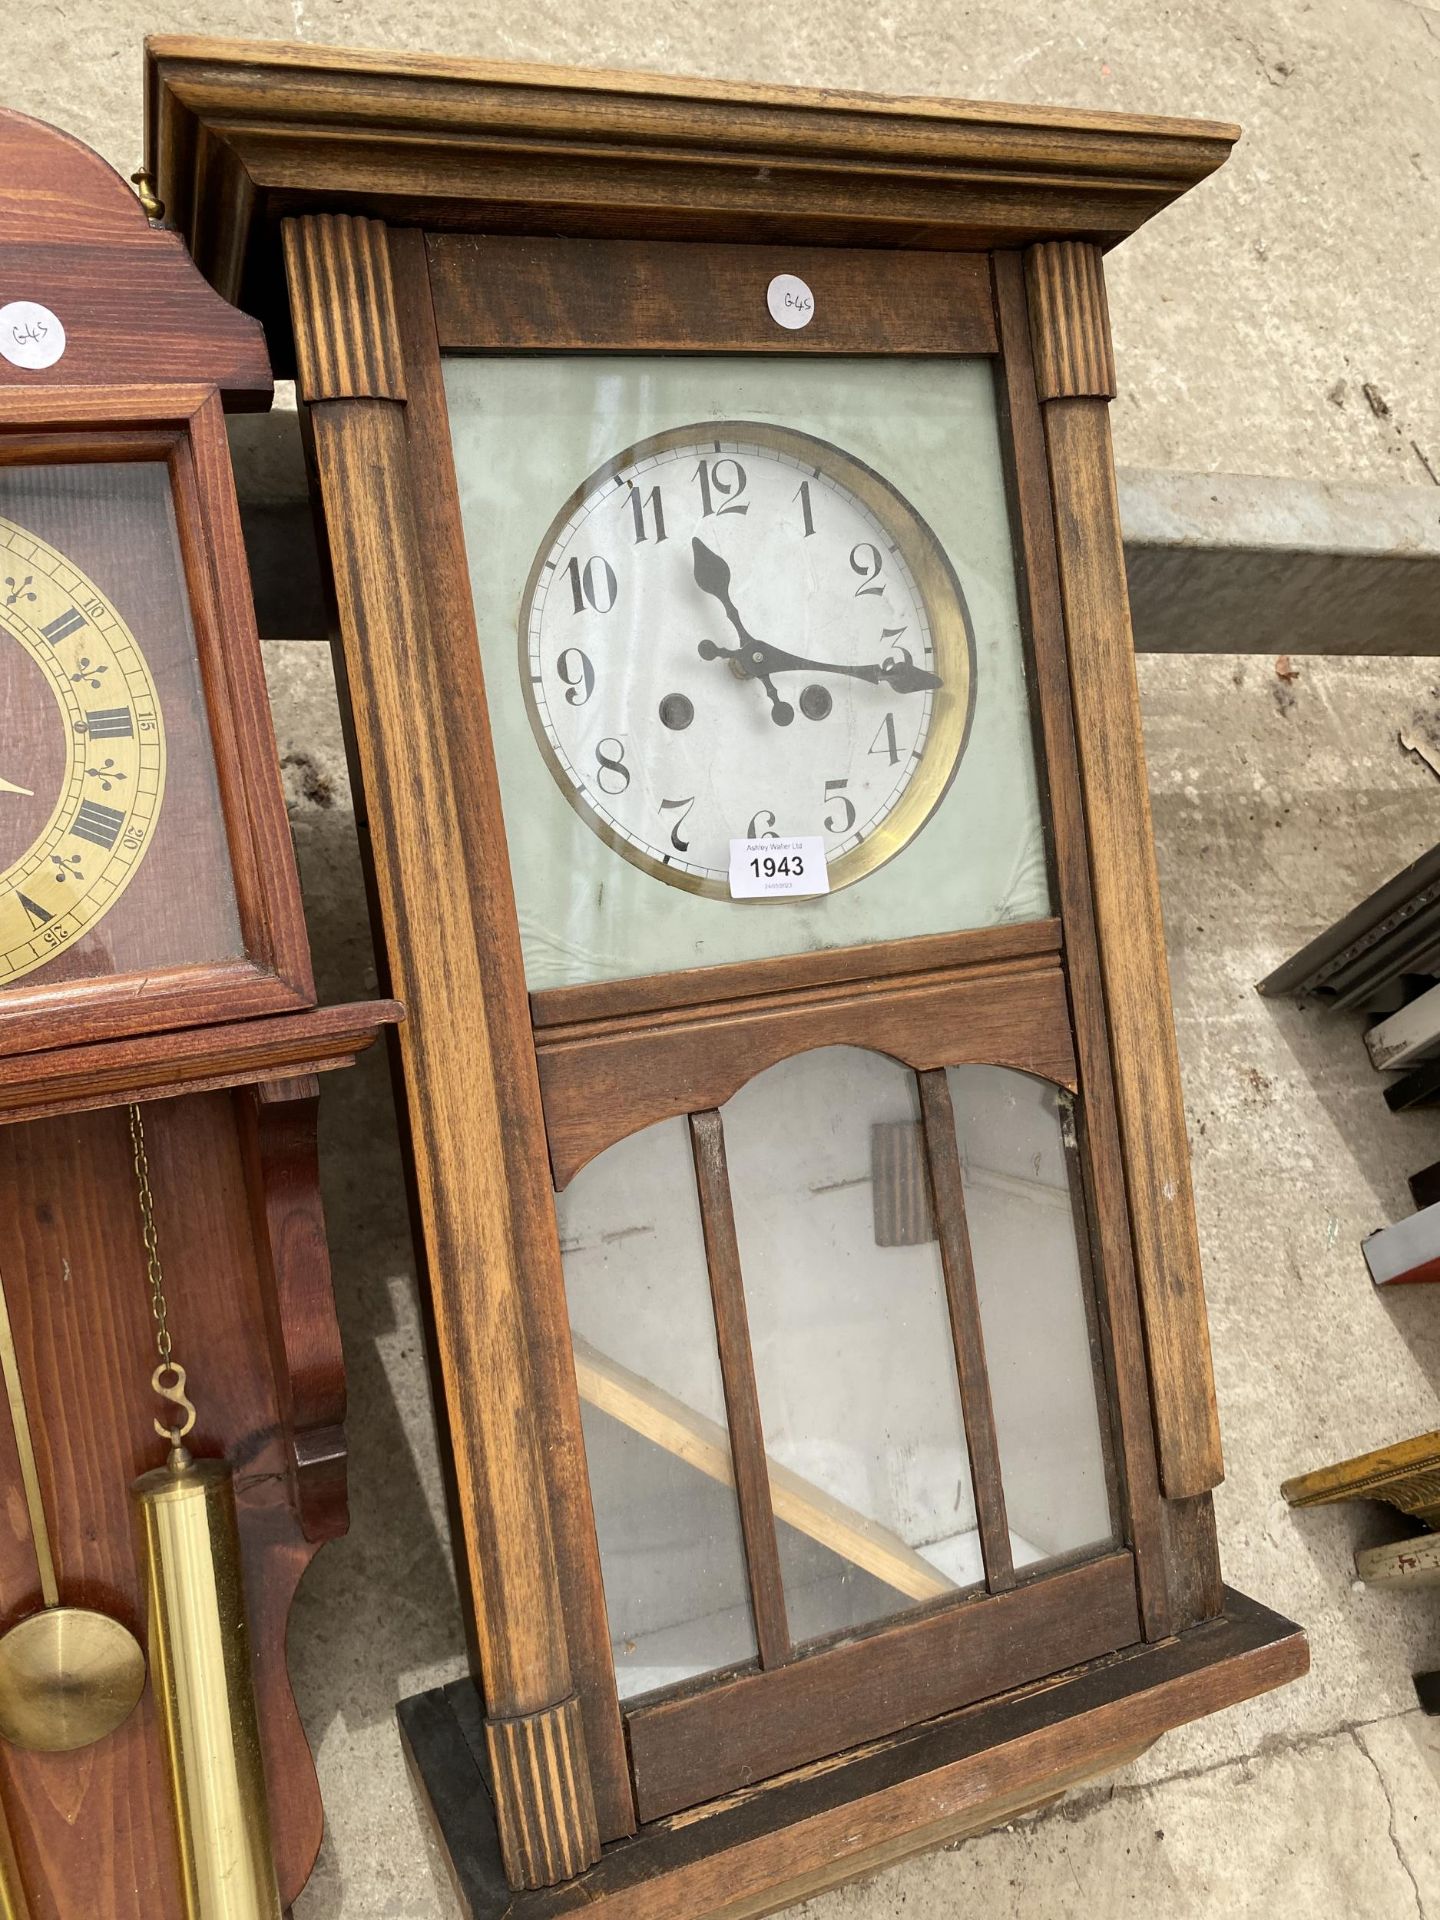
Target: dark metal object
(1420, 1088)
(1359, 960)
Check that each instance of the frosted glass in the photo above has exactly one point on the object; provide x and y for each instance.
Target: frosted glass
(1018, 1156)
(671, 1552)
(859, 1394)
(529, 430)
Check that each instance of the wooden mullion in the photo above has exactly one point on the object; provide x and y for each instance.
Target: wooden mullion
(742, 1400)
(739, 984)
(948, 1194)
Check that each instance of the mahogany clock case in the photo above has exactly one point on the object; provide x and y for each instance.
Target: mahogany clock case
(390, 218)
(119, 513)
(140, 785)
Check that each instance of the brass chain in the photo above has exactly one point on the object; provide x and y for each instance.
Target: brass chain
(168, 1379)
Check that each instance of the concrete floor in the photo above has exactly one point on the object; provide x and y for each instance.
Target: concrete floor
(1280, 322)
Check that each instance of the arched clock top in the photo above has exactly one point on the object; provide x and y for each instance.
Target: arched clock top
(636, 1119)
(84, 265)
(1010, 1016)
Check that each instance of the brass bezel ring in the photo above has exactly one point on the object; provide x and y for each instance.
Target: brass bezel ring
(952, 636)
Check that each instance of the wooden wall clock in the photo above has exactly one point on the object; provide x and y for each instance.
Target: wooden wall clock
(157, 1019)
(718, 491)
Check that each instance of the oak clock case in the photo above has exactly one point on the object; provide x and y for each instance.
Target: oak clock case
(795, 612)
(159, 1054)
(840, 1289)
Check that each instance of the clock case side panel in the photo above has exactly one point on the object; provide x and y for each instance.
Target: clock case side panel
(538, 1247)
(433, 483)
(1184, 1585)
(1074, 382)
(183, 427)
(447, 939)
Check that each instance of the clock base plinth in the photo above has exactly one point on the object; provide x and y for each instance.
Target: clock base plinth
(792, 1838)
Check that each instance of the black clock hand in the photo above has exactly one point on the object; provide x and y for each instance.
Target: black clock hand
(901, 676)
(712, 576)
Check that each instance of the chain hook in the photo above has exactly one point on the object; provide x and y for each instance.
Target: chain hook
(168, 1379)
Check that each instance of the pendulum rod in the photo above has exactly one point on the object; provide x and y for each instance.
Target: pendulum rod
(25, 1447)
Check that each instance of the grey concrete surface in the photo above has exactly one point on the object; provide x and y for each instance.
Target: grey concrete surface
(1280, 323)
(1270, 564)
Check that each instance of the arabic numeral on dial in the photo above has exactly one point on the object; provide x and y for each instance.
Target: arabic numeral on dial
(756, 832)
(885, 742)
(835, 790)
(867, 560)
(682, 807)
(578, 675)
(806, 512)
(651, 503)
(612, 775)
(594, 585)
(723, 480)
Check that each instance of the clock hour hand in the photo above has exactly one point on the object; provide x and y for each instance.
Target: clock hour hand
(8, 786)
(712, 576)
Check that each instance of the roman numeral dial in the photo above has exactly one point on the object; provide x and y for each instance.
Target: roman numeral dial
(82, 754)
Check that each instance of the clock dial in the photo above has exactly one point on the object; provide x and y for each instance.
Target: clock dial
(737, 630)
(82, 753)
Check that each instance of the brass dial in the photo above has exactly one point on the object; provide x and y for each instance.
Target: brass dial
(82, 753)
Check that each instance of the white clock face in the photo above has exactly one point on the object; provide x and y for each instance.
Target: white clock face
(736, 630)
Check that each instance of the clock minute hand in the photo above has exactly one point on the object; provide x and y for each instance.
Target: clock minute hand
(901, 676)
(8, 786)
(712, 576)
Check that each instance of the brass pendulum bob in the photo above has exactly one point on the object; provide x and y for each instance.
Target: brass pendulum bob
(68, 1675)
(200, 1650)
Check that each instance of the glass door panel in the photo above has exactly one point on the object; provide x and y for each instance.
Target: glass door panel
(653, 1410)
(1022, 1205)
(850, 1330)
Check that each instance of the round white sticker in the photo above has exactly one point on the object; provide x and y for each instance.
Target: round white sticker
(30, 335)
(790, 301)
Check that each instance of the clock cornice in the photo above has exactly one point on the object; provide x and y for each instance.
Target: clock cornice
(240, 134)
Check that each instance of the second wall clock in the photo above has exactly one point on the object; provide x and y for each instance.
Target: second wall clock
(159, 1044)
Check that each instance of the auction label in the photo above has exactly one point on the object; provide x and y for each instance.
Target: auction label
(31, 336)
(771, 869)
